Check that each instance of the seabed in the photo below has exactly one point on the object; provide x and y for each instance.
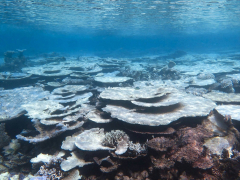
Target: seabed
(167, 116)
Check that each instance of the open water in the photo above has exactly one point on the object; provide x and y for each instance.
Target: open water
(119, 89)
(119, 28)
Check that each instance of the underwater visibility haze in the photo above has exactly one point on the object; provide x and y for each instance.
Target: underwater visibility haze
(119, 27)
(127, 90)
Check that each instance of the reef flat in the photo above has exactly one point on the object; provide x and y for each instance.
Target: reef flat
(173, 116)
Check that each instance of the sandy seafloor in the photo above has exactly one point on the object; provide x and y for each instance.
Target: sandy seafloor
(167, 116)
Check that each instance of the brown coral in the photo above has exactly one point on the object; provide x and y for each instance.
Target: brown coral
(187, 147)
(160, 143)
(190, 143)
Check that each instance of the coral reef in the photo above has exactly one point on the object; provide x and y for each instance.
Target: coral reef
(153, 106)
(13, 99)
(72, 162)
(15, 157)
(47, 132)
(95, 118)
(227, 85)
(118, 139)
(196, 91)
(14, 63)
(205, 76)
(112, 138)
(189, 149)
(169, 73)
(8, 76)
(51, 168)
(69, 80)
(171, 64)
(222, 97)
(232, 110)
(4, 138)
(91, 140)
(13, 146)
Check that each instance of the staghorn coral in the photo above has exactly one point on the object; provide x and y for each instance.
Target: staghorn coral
(137, 147)
(49, 173)
(51, 169)
(112, 138)
(93, 140)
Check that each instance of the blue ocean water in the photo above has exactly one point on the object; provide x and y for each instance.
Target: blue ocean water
(119, 28)
(110, 89)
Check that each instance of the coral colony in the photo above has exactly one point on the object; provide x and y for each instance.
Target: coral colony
(68, 118)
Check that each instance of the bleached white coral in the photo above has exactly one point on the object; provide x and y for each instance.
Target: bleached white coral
(48, 159)
(137, 147)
